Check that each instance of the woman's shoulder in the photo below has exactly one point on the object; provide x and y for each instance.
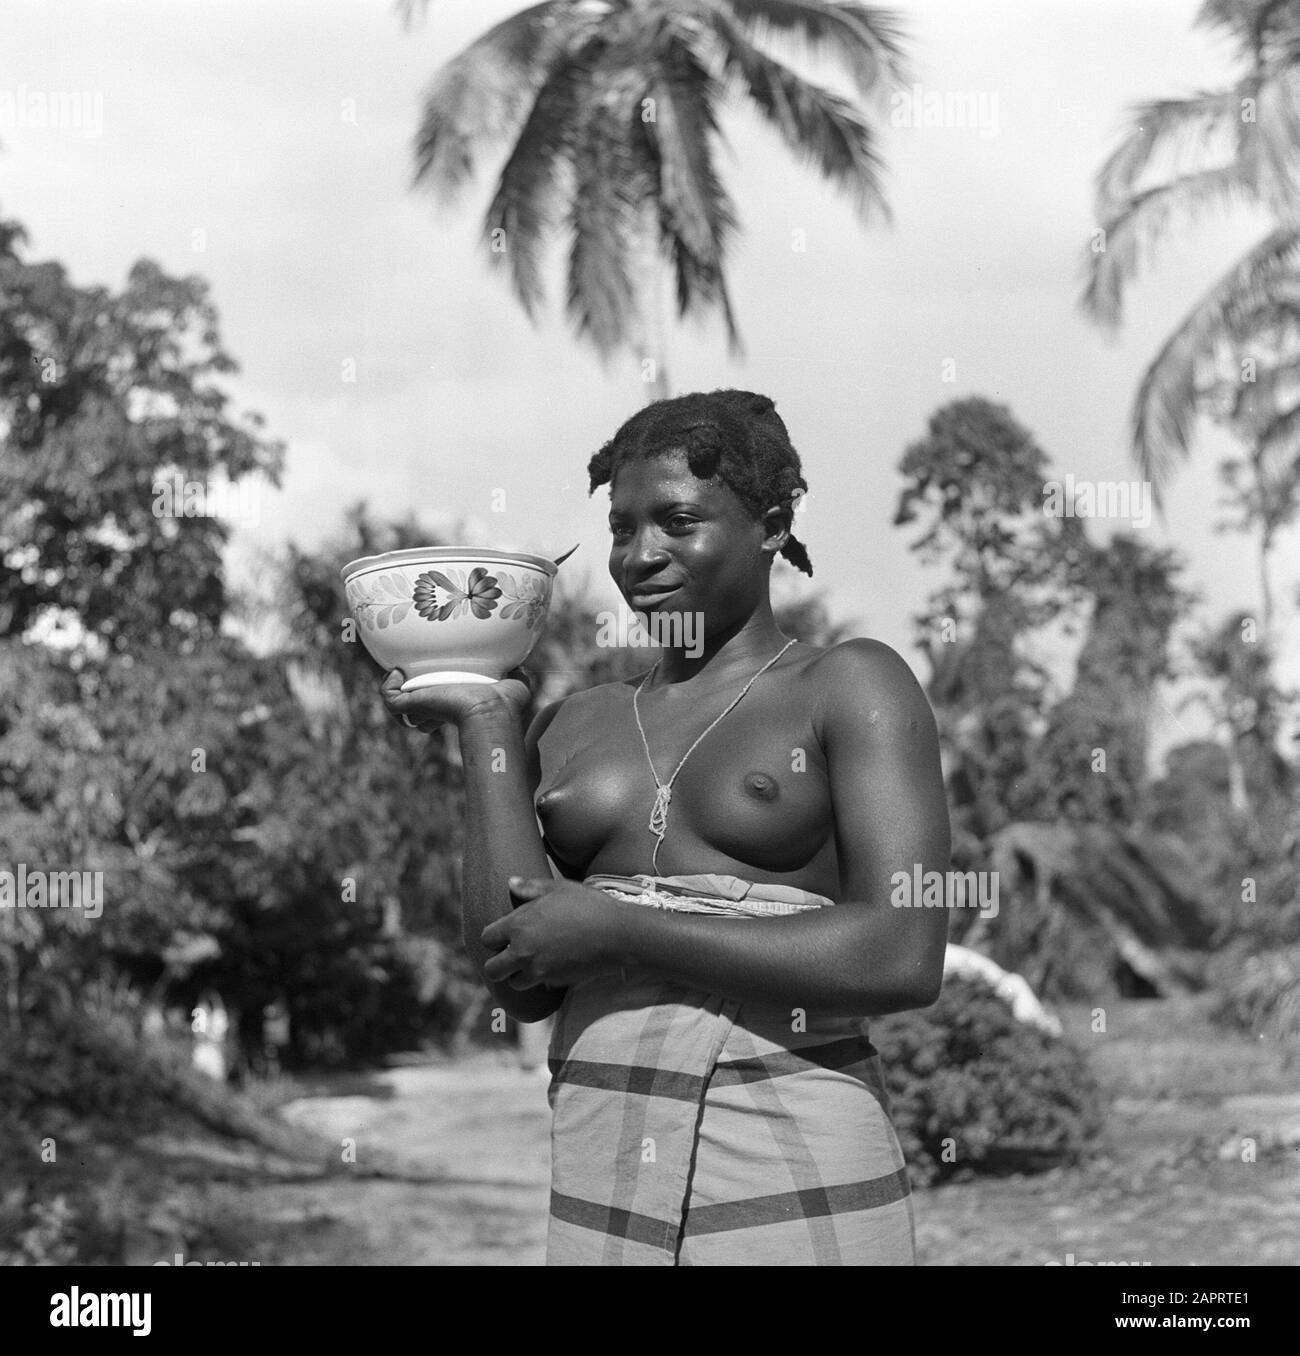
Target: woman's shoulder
(584, 702)
(856, 658)
(864, 676)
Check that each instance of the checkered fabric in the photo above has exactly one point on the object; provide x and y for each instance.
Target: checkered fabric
(691, 1130)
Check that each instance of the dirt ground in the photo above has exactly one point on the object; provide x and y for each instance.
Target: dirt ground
(1200, 1165)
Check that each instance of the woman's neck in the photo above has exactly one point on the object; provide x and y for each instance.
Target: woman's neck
(747, 645)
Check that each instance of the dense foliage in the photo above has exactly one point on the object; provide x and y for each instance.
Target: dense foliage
(1112, 877)
(974, 1090)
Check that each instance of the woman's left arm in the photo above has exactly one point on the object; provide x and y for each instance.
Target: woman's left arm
(866, 956)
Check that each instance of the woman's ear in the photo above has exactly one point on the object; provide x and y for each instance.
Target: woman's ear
(778, 523)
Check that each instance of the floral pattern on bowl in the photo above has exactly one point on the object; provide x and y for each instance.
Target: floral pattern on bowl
(479, 593)
(446, 595)
(526, 598)
(387, 601)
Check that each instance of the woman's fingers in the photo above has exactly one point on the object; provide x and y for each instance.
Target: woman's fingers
(425, 727)
(496, 936)
(391, 692)
(524, 888)
(405, 706)
(500, 967)
(435, 705)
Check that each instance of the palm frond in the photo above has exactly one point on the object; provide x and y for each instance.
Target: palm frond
(1169, 398)
(410, 11)
(477, 100)
(1269, 146)
(817, 125)
(1256, 25)
(1279, 442)
(1266, 409)
(867, 41)
(697, 217)
(1173, 128)
(1272, 322)
(1140, 222)
(697, 285)
(525, 206)
(614, 180)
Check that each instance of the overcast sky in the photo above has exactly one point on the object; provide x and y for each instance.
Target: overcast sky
(267, 147)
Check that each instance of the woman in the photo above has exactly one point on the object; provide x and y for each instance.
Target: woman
(726, 829)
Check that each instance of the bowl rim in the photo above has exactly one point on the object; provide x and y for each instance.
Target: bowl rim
(436, 554)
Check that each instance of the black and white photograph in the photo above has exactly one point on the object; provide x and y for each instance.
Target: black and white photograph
(650, 633)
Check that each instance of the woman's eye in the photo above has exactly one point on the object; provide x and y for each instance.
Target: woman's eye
(677, 523)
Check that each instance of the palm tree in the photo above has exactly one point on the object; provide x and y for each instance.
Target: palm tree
(609, 109)
(1180, 159)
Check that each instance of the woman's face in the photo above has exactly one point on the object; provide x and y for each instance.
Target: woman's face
(681, 544)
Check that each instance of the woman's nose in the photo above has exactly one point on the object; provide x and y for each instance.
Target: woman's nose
(645, 550)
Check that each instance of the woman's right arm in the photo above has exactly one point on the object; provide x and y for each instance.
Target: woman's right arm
(502, 837)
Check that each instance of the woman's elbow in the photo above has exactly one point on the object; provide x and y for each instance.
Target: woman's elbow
(528, 1005)
(915, 987)
(923, 993)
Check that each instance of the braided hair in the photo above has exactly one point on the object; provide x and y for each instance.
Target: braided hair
(734, 435)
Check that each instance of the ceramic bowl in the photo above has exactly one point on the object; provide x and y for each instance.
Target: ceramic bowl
(449, 614)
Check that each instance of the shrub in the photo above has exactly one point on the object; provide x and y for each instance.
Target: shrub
(1257, 971)
(1005, 1096)
(42, 1235)
(1260, 993)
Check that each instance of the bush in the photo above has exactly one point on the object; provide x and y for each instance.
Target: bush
(40, 1236)
(1005, 1096)
(1260, 993)
(81, 1096)
(1257, 970)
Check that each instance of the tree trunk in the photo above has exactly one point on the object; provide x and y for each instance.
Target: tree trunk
(1265, 586)
(1237, 797)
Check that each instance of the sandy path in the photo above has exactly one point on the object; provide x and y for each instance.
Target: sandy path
(1169, 1186)
(479, 1128)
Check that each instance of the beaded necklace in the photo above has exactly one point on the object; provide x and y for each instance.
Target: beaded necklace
(664, 790)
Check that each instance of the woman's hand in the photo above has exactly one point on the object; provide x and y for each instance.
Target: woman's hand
(560, 932)
(427, 708)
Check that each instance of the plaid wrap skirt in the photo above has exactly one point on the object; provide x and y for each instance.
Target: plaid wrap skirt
(691, 1130)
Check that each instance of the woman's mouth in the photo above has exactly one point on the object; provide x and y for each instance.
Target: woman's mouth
(642, 596)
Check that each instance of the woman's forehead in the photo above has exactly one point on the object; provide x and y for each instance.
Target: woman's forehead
(663, 475)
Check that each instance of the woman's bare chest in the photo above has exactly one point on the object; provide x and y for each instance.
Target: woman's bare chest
(752, 787)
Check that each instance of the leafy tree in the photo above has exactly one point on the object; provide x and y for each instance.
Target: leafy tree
(102, 397)
(1125, 654)
(1089, 901)
(1262, 486)
(978, 478)
(1248, 704)
(100, 394)
(610, 113)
